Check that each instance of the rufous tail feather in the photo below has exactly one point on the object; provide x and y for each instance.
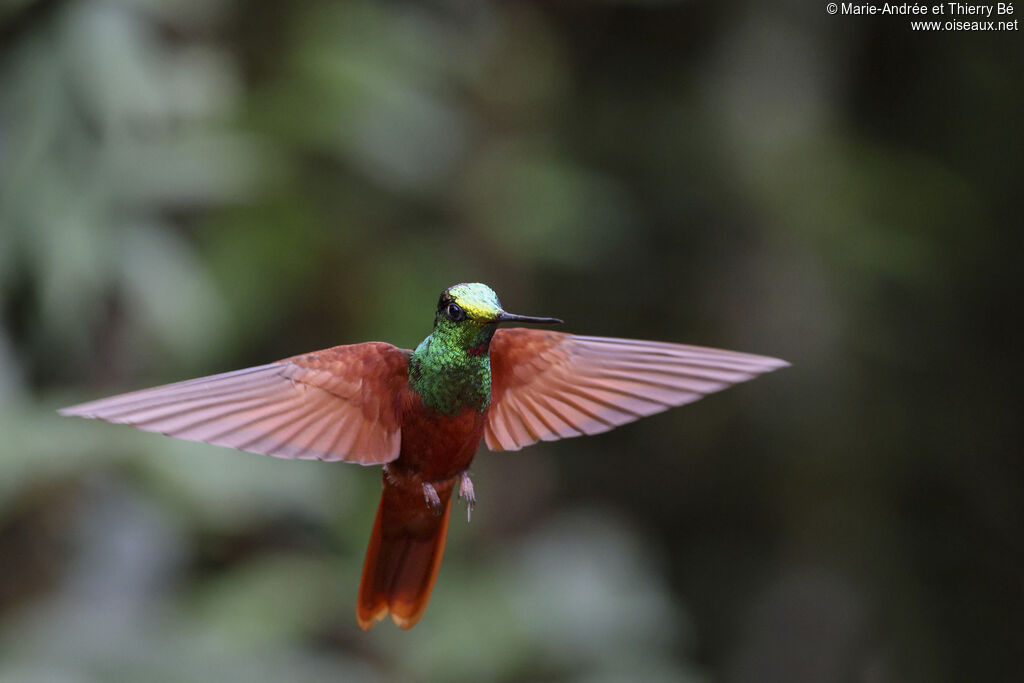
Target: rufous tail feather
(403, 557)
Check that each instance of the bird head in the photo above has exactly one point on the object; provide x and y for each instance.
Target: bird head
(474, 304)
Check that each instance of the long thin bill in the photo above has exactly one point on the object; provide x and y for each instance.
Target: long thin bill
(504, 317)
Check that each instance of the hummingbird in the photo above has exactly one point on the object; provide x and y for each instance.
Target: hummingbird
(422, 414)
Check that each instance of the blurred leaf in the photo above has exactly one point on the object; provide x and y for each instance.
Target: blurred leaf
(545, 209)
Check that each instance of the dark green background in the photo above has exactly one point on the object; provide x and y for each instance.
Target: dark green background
(188, 187)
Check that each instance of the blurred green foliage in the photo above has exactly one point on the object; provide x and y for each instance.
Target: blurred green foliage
(190, 186)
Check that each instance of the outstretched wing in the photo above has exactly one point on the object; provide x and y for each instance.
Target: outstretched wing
(337, 404)
(551, 385)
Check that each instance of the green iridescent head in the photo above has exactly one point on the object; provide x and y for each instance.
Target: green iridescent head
(476, 304)
(451, 368)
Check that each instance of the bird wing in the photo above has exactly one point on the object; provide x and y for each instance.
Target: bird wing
(551, 385)
(341, 403)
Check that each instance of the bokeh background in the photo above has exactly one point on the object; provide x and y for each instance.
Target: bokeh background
(193, 186)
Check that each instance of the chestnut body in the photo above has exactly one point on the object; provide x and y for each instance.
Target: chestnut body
(408, 537)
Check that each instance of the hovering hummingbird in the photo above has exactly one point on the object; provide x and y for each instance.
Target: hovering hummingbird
(422, 414)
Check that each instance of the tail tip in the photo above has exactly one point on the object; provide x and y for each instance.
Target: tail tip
(368, 620)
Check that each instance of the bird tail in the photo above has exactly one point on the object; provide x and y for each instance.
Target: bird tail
(404, 555)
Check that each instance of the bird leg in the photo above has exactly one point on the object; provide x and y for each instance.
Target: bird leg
(466, 491)
(433, 500)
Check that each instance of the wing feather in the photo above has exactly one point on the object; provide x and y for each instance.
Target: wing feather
(339, 404)
(551, 385)
(567, 425)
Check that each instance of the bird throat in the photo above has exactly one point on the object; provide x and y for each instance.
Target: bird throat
(451, 369)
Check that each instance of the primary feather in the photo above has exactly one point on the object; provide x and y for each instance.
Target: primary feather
(339, 404)
(552, 385)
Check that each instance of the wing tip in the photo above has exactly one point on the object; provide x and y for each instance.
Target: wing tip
(79, 410)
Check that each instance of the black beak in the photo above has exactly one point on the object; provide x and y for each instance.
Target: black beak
(504, 317)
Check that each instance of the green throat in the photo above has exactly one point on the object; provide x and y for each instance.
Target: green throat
(451, 368)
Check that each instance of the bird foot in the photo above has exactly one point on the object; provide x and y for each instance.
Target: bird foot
(466, 492)
(433, 500)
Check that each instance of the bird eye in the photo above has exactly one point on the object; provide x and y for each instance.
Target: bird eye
(454, 312)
